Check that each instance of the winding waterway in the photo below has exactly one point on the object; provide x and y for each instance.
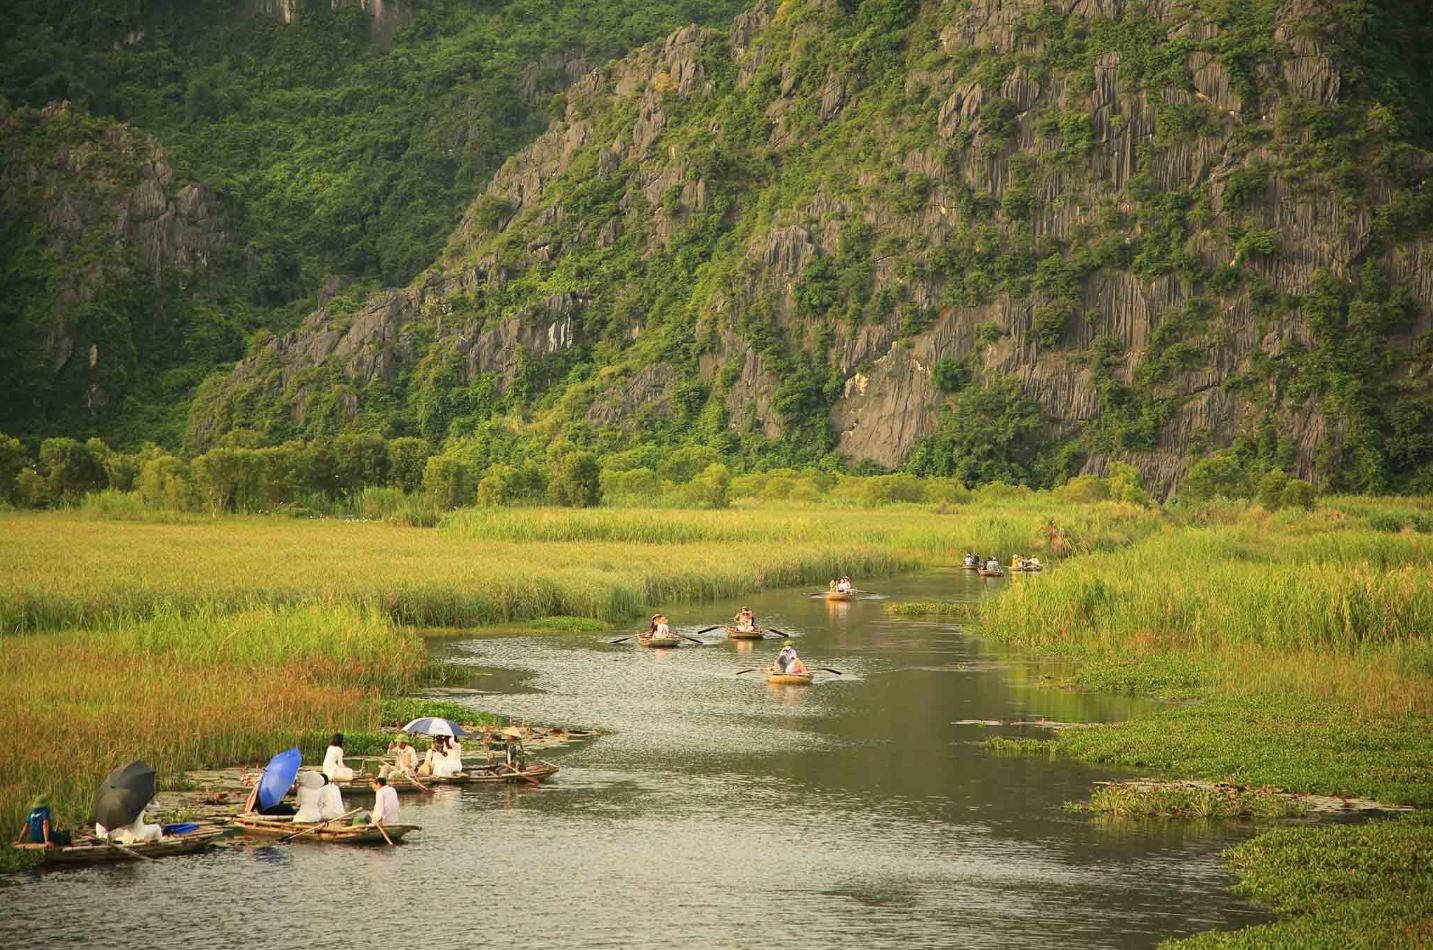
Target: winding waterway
(718, 811)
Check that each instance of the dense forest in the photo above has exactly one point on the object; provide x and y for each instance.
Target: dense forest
(984, 242)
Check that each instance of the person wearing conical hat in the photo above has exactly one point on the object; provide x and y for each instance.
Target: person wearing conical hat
(405, 758)
(516, 755)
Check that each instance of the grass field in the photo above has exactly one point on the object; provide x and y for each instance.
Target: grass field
(1299, 644)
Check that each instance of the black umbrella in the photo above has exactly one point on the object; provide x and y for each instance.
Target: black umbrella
(124, 794)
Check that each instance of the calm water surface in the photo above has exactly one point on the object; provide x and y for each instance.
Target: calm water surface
(717, 812)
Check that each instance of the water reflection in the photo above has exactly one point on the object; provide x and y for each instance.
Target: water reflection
(854, 811)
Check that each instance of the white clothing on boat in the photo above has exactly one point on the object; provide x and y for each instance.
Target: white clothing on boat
(843, 587)
(330, 803)
(136, 832)
(333, 767)
(662, 631)
(385, 806)
(310, 802)
(405, 759)
(448, 763)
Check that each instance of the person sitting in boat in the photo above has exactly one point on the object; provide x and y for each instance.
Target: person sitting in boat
(745, 620)
(330, 802)
(445, 759)
(663, 629)
(1033, 564)
(405, 758)
(385, 803)
(843, 586)
(788, 662)
(310, 797)
(39, 826)
(1017, 563)
(832, 587)
(136, 832)
(516, 755)
(970, 560)
(992, 565)
(333, 768)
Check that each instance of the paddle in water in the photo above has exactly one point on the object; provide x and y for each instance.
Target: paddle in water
(624, 639)
(752, 670)
(827, 669)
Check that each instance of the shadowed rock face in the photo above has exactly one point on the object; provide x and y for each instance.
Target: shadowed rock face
(387, 17)
(576, 238)
(100, 203)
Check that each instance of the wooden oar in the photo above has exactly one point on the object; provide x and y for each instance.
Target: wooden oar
(300, 834)
(530, 779)
(708, 629)
(627, 637)
(827, 669)
(779, 633)
(700, 643)
(379, 826)
(752, 670)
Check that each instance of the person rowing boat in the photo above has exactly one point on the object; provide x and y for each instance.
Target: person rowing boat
(405, 759)
(787, 661)
(844, 586)
(745, 620)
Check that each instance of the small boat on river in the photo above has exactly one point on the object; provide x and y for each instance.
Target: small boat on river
(535, 773)
(840, 596)
(791, 679)
(986, 572)
(659, 643)
(756, 633)
(86, 851)
(341, 831)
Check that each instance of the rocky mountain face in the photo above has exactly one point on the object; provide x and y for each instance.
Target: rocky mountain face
(94, 221)
(984, 238)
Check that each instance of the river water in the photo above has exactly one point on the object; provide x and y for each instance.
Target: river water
(718, 811)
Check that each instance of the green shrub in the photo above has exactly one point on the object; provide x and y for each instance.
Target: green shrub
(710, 489)
(1217, 476)
(576, 481)
(31, 489)
(447, 482)
(406, 458)
(71, 469)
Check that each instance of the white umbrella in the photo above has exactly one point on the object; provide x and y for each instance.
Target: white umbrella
(433, 726)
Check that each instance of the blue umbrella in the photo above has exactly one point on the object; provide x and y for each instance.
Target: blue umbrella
(278, 777)
(433, 726)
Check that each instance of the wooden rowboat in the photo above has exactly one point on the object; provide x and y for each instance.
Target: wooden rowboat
(342, 832)
(838, 595)
(498, 774)
(970, 567)
(985, 573)
(94, 851)
(756, 633)
(659, 643)
(790, 679)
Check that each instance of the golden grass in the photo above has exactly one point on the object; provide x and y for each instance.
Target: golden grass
(185, 692)
(59, 570)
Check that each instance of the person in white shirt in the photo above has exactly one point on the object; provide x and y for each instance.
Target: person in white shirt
(330, 802)
(745, 620)
(333, 768)
(405, 759)
(385, 803)
(663, 630)
(444, 759)
(843, 586)
(310, 797)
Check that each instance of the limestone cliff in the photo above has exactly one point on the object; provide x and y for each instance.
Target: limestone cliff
(99, 240)
(1172, 227)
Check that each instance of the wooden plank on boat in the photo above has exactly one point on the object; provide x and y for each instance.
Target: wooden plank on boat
(338, 832)
(96, 851)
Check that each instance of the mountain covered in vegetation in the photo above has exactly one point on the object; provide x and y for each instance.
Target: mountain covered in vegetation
(280, 147)
(981, 239)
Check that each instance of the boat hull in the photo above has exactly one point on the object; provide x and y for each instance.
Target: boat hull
(735, 634)
(86, 853)
(535, 773)
(659, 643)
(985, 573)
(839, 596)
(337, 832)
(790, 679)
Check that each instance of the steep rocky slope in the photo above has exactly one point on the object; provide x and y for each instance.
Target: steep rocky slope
(108, 264)
(989, 239)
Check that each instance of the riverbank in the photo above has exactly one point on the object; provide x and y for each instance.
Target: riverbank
(1298, 645)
